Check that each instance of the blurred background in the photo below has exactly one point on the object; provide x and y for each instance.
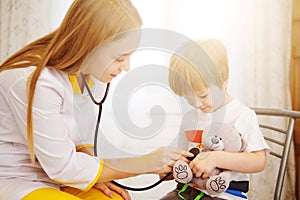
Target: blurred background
(262, 40)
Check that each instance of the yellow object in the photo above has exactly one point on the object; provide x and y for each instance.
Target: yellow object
(75, 85)
(69, 193)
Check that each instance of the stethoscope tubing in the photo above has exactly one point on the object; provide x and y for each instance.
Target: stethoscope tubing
(99, 104)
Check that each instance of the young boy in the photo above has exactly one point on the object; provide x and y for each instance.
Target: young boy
(199, 73)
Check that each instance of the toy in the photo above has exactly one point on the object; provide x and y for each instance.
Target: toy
(219, 137)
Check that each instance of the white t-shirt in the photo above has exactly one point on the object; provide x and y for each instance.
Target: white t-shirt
(56, 136)
(233, 113)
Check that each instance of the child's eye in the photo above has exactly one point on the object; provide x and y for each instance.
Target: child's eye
(120, 59)
(203, 96)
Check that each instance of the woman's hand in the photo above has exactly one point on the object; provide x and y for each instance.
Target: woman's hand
(170, 176)
(162, 159)
(108, 187)
(159, 161)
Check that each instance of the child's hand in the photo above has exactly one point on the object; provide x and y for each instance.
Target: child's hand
(203, 164)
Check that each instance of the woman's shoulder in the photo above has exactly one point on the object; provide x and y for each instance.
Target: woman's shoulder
(12, 78)
(54, 79)
(55, 75)
(48, 74)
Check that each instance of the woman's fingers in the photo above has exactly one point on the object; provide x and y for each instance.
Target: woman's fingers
(169, 177)
(177, 154)
(164, 170)
(166, 157)
(187, 154)
(108, 187)
(104, 188)
(124, 193)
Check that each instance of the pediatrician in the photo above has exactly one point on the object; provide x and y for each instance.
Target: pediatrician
(44, 153)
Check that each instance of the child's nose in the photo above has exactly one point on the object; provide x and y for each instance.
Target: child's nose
(125, 68)
(126, 65)
(199, 103)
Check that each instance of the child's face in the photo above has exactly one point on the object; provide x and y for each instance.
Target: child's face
(207, 101)
(202, 101)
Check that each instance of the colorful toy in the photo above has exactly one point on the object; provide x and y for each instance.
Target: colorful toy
(217, 138)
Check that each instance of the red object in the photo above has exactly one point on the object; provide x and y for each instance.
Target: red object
(194, 135)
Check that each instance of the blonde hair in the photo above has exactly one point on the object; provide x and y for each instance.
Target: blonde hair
(86, 24)
(191, 60)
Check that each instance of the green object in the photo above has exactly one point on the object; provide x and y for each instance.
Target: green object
(199, 196)
(182, 190)
(185, 186)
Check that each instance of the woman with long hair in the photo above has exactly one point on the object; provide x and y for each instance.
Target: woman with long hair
(41, 154)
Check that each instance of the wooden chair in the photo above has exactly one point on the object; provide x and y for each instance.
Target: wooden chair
(284, 142)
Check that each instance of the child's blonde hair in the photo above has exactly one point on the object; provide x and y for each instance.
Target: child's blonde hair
(196, 64)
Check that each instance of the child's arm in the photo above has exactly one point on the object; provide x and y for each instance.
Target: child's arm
(246, 162)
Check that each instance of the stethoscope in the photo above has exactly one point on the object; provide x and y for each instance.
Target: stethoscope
(99, 104)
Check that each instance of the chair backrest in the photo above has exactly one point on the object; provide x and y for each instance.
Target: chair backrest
(283, 138)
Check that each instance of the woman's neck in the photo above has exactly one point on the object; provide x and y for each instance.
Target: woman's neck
(80, 81)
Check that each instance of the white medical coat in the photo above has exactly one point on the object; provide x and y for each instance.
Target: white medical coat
(56, 136)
